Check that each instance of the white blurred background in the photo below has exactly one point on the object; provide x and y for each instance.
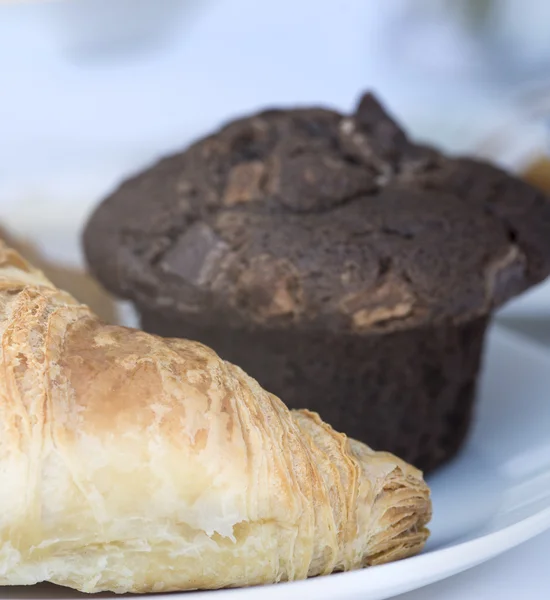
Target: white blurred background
(91, 90)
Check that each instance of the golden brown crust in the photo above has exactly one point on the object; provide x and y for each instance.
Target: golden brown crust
(132, 463)
(71, 279)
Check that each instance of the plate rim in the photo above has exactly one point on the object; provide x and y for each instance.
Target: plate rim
(471, 553)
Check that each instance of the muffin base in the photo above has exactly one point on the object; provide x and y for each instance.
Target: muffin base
(406, 392)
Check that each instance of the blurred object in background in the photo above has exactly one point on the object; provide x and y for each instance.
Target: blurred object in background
(105, 29)
(538, 174)
(501, 39)
(518, 31)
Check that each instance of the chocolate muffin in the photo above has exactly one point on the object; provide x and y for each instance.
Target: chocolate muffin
(348, 269)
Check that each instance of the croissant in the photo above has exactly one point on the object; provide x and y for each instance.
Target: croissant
(132, 463)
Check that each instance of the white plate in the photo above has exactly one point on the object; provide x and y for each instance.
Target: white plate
(495, 496)
(534, 303)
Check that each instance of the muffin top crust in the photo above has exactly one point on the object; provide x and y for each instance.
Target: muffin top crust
(314, 219)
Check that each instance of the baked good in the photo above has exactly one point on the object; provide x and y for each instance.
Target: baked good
(537, 173)
(348, 269)
(74, 280)
(132, 463)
